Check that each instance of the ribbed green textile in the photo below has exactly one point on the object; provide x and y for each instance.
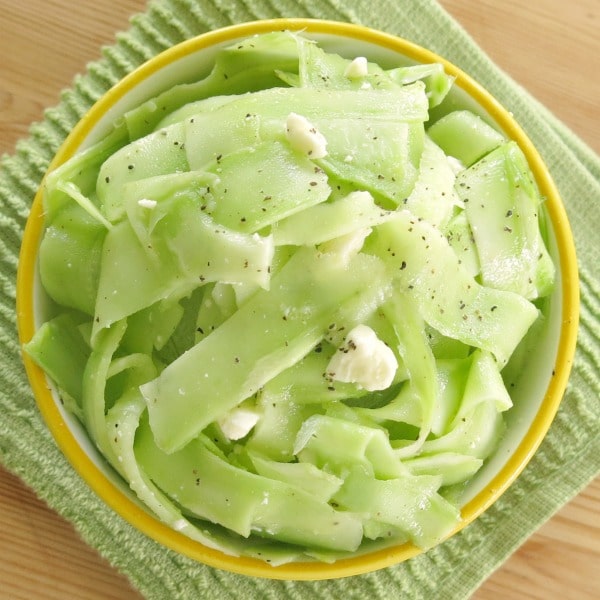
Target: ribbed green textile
(568, 458)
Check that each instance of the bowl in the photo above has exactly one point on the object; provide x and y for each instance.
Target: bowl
(536, 399)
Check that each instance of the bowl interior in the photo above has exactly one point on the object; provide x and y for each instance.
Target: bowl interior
(536, 395)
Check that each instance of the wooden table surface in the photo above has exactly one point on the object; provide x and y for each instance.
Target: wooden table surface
(552, 47)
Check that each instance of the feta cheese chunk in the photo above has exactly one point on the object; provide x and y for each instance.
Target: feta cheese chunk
(304, 136)
(147, 203)
(357, 68)
(238, 423)
(363, 359)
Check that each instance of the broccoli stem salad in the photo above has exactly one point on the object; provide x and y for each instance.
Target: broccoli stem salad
(282, 299)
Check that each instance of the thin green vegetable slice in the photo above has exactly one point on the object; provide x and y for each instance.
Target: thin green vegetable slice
(283, 324)
(502, 205)
(410, 503)
(173, 261)
(424, 266)
(69, 258)
(206, 485)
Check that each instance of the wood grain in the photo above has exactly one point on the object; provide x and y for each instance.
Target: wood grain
(549, 46)
(552, 48)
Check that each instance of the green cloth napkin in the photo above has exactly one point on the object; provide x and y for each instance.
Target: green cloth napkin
(567, 460)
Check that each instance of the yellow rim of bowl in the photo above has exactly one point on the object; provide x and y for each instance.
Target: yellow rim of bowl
(378, 559)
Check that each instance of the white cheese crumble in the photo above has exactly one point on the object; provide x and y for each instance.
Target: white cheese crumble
(238, 423)
(363, 359)
(357, 68)
(304, 136)
(147, 203)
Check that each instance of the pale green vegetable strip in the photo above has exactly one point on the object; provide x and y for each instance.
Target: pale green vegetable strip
(259, 186)
(159, 153)
(81, 172)
(348, 412)
(223, 295)
(280, 420)
(453, 467)
(151, 327)
(305, 476)
(447, 347)
(437, 82)
(147, 201)
(211, 313)
(405, 407)
(407, 104)
(502, 205)
(477, 434)
(209, 487)
(460, 237)
(295, 313)
(433, 197)
(123, 421)
(248, 66)
(416, 354)
(385, 165)
(374, 530)
(452, 376)
(247, 120)
(331, 220)
(360, 309)
(94, 386)
(327, 70)
(243, 291)
(465, 136)
(226, 130)
(410, 503)
(340, 445)
(176, 263)
(59, 348)
(307, 381)
(484, 384)
(74, 193)
(197, 109)
(449, 299)
(322, 525)
(69, 258)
